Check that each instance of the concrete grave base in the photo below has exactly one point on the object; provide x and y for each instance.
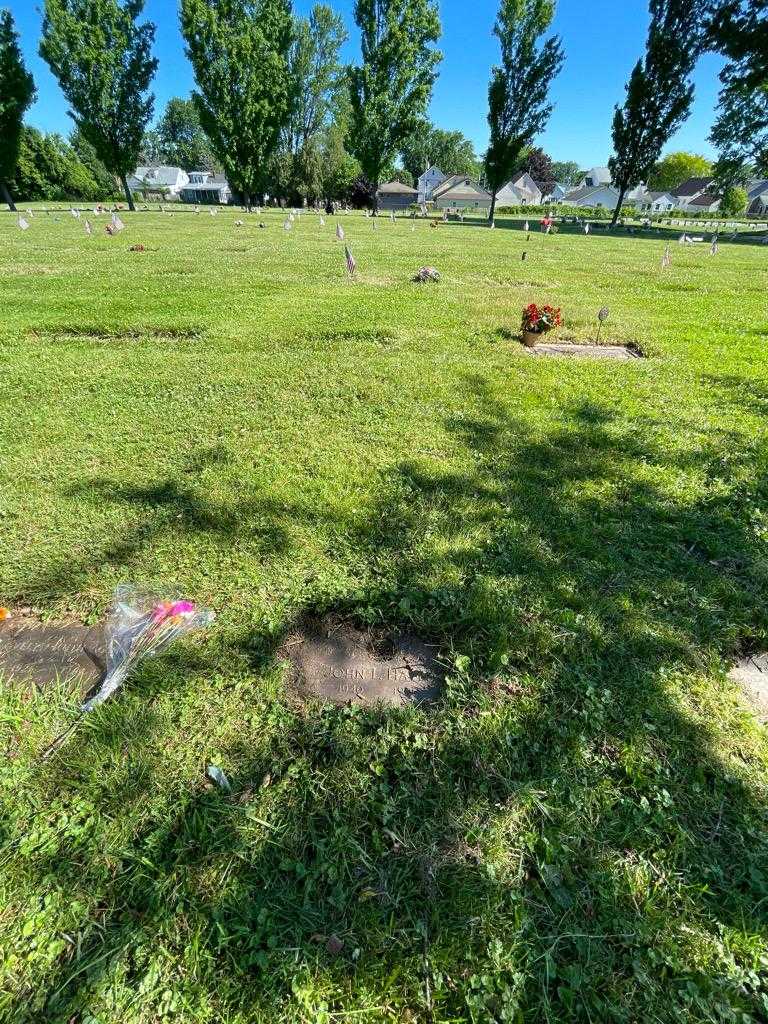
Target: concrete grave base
(583, 351)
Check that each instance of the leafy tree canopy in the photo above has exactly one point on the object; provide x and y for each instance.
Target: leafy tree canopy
(239, 54)
(566, 172)
(659, 94)
(17, 91)
(675, 168)
(102, 58)
(390, 90)
(181, 141)
(518, 107)
(450, 151)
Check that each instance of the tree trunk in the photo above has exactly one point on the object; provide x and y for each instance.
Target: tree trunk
(7, 197)
(128, 196)
(617, 211)
(375, 197)
(493, 207)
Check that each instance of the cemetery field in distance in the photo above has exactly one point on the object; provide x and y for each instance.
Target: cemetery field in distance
(577, 830)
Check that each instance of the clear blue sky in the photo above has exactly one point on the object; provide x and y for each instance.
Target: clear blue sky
(602, 39)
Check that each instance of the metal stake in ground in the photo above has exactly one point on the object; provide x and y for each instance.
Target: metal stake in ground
(602, 316)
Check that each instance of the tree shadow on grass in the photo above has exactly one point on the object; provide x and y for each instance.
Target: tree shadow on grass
(565, 838)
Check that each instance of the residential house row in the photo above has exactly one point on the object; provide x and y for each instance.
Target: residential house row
(459, 192)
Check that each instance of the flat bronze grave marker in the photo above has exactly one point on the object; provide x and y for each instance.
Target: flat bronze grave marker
(42, 654)
(337, 663)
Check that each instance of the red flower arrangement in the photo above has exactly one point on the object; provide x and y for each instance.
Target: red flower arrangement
(540, 319)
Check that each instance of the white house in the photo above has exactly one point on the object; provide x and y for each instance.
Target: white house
(168, 181)
(427, 183)
(598, 196)
(521, 190)
(558, 191)
(658, 202)
(204, 187)
(460, 192)
(596, 176)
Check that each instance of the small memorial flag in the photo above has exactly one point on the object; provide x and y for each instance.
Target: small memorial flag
(322, 222)
(339, 232)
(586, 228)
(351, 264)
(23, 224)
(714, 247)
(88, 227)
(526, 226)
(392, 216)
(666, 259)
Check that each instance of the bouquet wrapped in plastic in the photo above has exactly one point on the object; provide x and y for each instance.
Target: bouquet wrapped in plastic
(140, 626)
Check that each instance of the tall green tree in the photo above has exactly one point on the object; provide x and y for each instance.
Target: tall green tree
(391, 88)
(450, 151)
(106, 183)
(659, 95)
(739, 29)
(339, 169)
(566, 172)
(17, 91)
(675, 168)
(518, 108)
(316, 72)
(239, 53)
(102, 57)
(181, 139)
(50, 168)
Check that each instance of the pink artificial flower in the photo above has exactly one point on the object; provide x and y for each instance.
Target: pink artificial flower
(181, 608)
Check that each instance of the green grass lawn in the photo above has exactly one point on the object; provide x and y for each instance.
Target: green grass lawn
(578, 832)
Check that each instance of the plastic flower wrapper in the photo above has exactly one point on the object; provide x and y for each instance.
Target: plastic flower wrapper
(140, 626)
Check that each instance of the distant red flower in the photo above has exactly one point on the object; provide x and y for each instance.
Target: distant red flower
(540, 319)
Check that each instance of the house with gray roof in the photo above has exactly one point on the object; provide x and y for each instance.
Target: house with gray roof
(166, 181)
(206, 188)
(394, 195)
(658, 202)
(521, 190)
(460, 192)
(598, 196)
(757, 193)
(689, 191)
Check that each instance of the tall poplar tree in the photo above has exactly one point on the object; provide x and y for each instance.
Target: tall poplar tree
(239, 53)
(739, 29)
(659, 95)
(518, 108)
(17, 91)
(103, 60)
(392, 87)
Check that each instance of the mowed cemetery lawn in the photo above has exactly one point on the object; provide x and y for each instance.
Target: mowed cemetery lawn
(578, 830)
